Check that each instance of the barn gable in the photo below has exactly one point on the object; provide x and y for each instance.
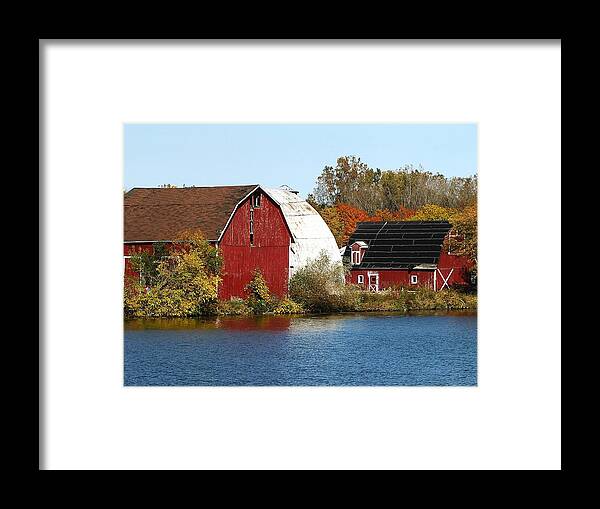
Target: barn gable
(400, 244)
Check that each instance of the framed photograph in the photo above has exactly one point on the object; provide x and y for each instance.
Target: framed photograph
(286, 255)
(353, 275)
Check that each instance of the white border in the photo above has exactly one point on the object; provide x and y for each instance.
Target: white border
(512, 420)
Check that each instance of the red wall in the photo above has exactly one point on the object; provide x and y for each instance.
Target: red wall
(269, 252)
(447, 262)
(128, 250)
(393, 277)
(461, 266)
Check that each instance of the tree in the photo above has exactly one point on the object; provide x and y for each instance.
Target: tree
(402, 214)
(333, 219)
(432, 213)
(259, 295)
(465, 226)
(354, 183)
(350, 216)
(184, 280)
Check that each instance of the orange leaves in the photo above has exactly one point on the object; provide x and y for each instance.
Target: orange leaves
(350, 216)
(333, 219)
(402, 214)
(343, 218)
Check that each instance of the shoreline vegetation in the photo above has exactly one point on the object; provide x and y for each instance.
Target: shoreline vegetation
(395, 300)
(182, 283)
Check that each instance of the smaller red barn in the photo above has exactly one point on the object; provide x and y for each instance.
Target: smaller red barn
(407, 253)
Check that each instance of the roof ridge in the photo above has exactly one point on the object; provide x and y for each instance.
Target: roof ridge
(195, 187)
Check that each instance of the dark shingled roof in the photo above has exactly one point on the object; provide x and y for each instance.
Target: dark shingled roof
(399, 244)
(154, 214)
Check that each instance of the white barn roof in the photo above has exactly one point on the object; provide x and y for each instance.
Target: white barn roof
(310, 233)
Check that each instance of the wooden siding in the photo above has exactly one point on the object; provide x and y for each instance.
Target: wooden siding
(389, 278)
(269, 251)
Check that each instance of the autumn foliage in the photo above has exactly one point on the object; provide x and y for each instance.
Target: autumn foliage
(350, 216)
(343, 218)
(352, 191)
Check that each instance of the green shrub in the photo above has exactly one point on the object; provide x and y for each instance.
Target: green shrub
(319, 286)
(184, 282)
(259, 296)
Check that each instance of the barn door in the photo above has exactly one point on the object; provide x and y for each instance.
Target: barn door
(445, 277)
(373, 282)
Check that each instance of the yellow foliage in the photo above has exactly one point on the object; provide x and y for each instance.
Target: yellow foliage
(186, 283)
(432, 213)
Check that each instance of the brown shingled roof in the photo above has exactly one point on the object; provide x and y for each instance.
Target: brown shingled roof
(153, 214)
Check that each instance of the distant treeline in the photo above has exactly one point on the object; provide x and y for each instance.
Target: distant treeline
(352, 192)
(354, 183)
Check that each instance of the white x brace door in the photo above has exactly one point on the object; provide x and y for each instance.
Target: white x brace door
(373, 281)
(445, 279)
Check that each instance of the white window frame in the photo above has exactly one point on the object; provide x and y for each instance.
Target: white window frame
(125, 257)
(414, 279)
(355, 257)
(360, 279)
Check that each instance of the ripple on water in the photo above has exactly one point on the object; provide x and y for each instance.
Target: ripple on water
(324, 350)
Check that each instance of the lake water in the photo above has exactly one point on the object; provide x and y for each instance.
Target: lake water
(326, 350)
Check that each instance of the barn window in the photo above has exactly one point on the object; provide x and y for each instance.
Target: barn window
(414, 279)
(361, 279)
(355, 257)
(251, 227)
(256, 200)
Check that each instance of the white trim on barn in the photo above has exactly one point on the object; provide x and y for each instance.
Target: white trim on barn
(373, 287)
(445, 279)
(356, 255)
(234, 211)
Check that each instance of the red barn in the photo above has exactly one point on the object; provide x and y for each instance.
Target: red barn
(408, 253)
(271, 229)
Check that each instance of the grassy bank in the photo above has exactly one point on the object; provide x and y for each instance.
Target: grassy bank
(397, 300)
(421, 299)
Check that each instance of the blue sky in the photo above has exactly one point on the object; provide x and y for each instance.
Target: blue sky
(292, 154)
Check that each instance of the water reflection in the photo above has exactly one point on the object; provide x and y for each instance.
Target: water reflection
(276, 323)
(238, 323)
(248, 323)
